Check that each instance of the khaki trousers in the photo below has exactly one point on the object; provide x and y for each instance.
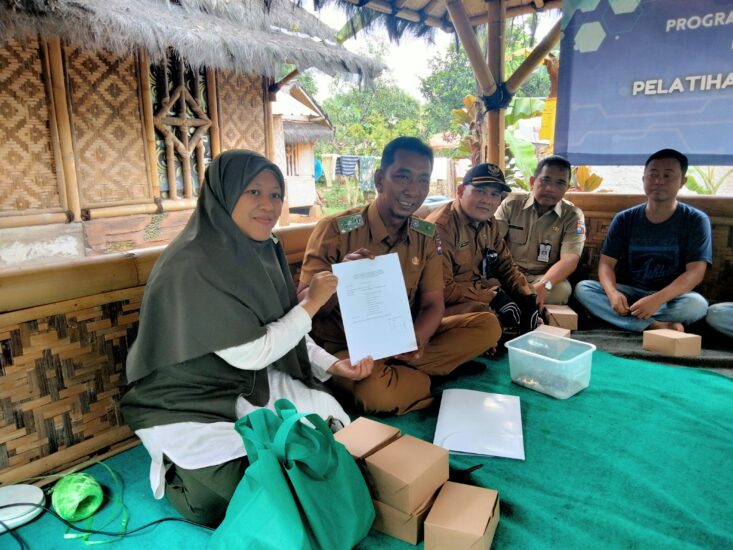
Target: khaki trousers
(399, 387)
(560, 293)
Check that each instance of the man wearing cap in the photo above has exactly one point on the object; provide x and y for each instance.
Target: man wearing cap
(544, 232)
(478, 269)
(398, 384)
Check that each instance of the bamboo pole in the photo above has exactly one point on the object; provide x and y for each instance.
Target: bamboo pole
(185, 137)
(270, 150)
(122, 210)
(211, 92)
(481, 71)
(9, 222)
(63, 124)
(274, 88)
(170, 162)
(176, 205)
(53, 127)
(146, 100)
(494, 144)
(524, 71)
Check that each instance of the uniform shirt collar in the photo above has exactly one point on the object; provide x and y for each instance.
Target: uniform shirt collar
(530, 203)
(377, 227)
(464, 220)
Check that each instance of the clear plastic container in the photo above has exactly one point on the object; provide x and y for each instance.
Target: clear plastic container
(559, 367)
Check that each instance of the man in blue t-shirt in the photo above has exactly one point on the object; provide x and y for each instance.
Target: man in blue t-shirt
(665, 247)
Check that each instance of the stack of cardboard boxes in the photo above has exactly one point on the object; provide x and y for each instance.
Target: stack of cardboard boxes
(408, 479)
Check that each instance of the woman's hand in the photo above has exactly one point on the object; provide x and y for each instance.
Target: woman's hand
(321, 288)
(345, 369)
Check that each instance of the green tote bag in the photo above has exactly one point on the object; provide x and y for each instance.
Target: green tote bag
(302, 489)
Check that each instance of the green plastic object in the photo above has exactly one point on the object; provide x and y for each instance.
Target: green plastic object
(76, 496)
(301, 491)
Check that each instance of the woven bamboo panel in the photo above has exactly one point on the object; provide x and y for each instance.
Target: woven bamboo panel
(28, 178)
(716, 287)
(108, 128)
(59, 383)
(242, 111)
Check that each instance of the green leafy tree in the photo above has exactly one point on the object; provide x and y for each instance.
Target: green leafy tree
(367, 118)
(451, 79)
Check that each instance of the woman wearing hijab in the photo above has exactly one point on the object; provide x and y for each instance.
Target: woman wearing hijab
(222, 334)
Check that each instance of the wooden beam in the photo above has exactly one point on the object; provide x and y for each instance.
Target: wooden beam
(63, 125)
(408, 14)
(486, 80)
(270, 147)
(146, 100)
(493, 146)
(534, 59)
(520, 10)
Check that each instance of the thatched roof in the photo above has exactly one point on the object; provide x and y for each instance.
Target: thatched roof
(306, 132)
(421, 17)
(243, 35)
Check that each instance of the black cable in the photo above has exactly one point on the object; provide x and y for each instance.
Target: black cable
(15, 535)
(89, 531)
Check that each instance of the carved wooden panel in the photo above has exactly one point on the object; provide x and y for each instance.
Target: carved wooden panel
(28, 173)
(107, 127)
(242, 111)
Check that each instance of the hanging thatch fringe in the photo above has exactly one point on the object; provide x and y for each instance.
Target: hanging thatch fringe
(305, 132)
(282, 14)
(203, 39)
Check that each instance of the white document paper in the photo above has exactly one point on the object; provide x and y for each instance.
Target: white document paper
(480, 423)
(374, 307)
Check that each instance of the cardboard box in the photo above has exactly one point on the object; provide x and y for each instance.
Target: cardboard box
(555, 331)
(407, 527)
(462, 517)
(406, 472)
(672, 342)
(561, 316)
(363, 437)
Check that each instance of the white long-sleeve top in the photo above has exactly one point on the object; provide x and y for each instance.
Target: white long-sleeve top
(193, 445)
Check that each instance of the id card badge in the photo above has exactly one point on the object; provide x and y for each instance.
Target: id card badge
(544, 255)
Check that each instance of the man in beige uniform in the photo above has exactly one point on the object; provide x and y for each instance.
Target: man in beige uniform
(399, 384)
(544, 232)
(478, 269)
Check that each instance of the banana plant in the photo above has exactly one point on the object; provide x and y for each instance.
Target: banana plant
(708, 184)
(584, 179)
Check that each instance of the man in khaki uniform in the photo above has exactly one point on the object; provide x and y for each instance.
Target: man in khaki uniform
(545, 233)
(478, 269)
(399, 384)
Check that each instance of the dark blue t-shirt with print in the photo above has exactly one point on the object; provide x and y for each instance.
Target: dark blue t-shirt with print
(655, 254)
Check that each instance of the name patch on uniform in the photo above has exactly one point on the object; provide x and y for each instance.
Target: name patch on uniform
(424, 227)
(512, 226)
(463, 244)
(580, 227)
(349, 223)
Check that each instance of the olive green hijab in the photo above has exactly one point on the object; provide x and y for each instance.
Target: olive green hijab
(209, 290)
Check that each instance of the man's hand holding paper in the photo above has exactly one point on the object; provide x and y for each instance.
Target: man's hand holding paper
(374, 307)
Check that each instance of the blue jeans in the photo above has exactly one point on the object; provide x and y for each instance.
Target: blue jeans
(720, 317)
(685, 309)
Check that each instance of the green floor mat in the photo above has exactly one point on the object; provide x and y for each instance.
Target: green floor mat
(639, 459)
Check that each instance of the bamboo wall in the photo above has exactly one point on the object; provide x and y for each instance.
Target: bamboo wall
(82, 134)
